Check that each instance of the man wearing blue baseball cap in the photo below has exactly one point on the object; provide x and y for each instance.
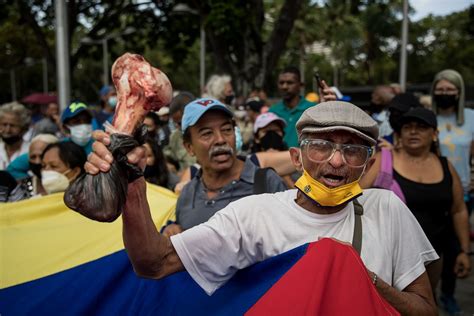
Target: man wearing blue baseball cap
(108, 102)
(77, 125)
(208, 135)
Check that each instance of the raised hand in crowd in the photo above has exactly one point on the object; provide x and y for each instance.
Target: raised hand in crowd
(101, 158)
(326, 93)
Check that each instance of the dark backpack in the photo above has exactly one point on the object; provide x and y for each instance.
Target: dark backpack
(260, 181)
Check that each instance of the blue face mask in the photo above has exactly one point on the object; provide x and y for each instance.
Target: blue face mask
(238, 139)
(112, 101)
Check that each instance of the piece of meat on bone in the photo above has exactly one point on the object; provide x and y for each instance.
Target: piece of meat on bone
(140, 89)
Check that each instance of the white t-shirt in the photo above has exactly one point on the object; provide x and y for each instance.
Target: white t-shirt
(257, 227)
(4, 160)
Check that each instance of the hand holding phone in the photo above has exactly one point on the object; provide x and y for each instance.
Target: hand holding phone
(319, 84)
(324, 91)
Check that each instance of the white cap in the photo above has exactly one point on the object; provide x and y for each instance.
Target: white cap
(163, 111)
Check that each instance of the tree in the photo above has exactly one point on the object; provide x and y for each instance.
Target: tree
(238, 39)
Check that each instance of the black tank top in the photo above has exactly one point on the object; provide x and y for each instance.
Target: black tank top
(430, 203)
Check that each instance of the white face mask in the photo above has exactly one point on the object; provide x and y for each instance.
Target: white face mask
(54, 181)
(112, 101)
(81, 134)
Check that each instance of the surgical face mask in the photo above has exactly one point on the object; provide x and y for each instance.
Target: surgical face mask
(445, 101)
(325, 196)
(228, 99)
(112, 101)
(272, 140)
(13, 139)
(54, 181)
(36, 169)
(238, 139)
(150, 172)
(81, 134)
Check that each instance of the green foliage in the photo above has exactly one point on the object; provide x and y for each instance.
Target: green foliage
(357, 41)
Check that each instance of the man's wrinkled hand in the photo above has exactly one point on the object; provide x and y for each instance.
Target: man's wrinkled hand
(101, 158)
(326, 93)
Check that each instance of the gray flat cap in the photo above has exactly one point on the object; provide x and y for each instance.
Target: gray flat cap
(338, 115)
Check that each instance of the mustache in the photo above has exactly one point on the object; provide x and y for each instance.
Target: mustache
(224, 149)
(340, 172)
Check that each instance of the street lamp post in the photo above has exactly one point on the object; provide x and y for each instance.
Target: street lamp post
(105, 60)
(202, 59)
(45, 74)
(182, 8)
(403, 47)
(62, 53)
(13, 84)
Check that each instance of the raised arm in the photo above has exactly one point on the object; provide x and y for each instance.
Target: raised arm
(461, 225)
(152, 255)
(326, 93)
(278, 160)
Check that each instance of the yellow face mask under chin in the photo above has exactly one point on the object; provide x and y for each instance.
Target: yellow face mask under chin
(325, 196)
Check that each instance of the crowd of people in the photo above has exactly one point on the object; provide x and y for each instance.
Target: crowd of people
(319, 162)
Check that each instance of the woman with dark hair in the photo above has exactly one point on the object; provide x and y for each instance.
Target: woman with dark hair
(62, 163)
(428, 184)
(156, 170)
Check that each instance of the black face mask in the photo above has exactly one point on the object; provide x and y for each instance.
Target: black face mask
(10, 140)
(150, 172)
(36, 169)
(372, 108)
(151, 134)
(228, 99)
(272, 140)
(444, 101)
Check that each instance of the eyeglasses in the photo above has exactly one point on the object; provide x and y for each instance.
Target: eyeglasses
(320, 150)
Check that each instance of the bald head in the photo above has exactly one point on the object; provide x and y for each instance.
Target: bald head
(381, 96)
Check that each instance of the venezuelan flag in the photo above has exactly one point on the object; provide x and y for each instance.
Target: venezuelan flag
(56, 262)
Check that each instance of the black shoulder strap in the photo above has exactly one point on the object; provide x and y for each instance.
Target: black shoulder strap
(260, 181)
(357, 238)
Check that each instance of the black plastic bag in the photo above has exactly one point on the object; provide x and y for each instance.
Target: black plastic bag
(101, 197)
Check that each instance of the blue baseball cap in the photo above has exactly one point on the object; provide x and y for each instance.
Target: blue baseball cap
(105, 90)
(194, 110)
(74, 109)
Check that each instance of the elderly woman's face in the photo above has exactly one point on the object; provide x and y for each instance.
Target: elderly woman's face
(36, 150)
(228, 90)
(52, 161)
(10, 125)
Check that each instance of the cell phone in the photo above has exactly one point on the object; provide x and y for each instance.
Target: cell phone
(318, 80)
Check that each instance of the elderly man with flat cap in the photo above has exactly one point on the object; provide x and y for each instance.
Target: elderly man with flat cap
(336, 143)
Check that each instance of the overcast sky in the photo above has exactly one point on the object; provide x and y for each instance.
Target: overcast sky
(437, 7)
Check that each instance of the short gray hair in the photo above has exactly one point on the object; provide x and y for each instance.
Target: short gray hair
(215, 86)
(19, 110)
